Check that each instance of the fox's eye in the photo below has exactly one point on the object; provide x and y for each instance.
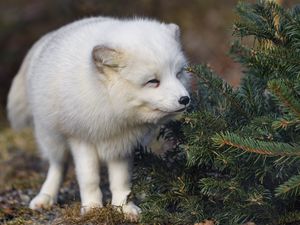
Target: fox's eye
(179, 74)
(153, 83)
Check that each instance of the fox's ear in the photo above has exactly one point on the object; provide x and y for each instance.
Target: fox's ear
(104, 56)
(174, 28)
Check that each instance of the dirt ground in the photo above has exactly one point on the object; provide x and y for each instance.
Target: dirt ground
(22, 172)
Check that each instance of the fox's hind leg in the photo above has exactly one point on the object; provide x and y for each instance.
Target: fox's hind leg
(53, 148)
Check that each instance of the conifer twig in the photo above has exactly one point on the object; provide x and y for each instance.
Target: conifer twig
(256, 146)
(197, 72)
(285, 95)
(290, 187)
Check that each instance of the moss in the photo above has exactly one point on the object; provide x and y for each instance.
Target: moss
(10, 141)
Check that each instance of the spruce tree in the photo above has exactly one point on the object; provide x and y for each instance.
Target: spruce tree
(236, 152)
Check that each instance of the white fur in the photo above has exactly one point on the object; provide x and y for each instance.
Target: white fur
(85, 87)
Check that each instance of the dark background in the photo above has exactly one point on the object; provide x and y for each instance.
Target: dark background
(205, 28)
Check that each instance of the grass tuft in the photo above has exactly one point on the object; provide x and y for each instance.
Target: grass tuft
(99, 216)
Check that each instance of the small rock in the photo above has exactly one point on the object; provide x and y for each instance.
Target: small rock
(24, 198)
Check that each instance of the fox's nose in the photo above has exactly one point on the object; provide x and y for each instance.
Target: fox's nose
(184, 100)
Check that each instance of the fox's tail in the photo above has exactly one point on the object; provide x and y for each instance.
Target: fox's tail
(18, 109)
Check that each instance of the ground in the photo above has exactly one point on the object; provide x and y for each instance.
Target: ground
(22, 173)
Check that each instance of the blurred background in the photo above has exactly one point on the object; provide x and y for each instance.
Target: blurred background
(205, 27)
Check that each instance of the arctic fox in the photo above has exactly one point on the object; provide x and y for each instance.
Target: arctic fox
(94, 88)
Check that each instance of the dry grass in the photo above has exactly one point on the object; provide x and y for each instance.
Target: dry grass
(107, 215)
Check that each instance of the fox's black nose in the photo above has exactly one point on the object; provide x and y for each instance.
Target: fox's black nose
(184, 100)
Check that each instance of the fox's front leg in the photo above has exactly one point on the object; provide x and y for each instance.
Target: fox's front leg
(119, 171)
(87, 171)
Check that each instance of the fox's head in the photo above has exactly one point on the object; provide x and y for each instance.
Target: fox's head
(143, 68)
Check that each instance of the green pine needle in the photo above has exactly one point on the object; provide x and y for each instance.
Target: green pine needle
(291, 217)
(209, 78)
(285, 95)
(256, 146)
(259, 20)
(203, 177)
(283, 123)
(289, 188)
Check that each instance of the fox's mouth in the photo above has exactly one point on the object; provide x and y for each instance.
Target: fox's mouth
(180, 110)
(171, 112)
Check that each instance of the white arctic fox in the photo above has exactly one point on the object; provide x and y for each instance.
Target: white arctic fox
(96, 87)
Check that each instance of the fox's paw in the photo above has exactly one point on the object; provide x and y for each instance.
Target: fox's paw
(89, 207)
(131, 211)
(41, 201)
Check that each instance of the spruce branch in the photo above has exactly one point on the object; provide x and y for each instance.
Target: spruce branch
(217, 188)
(260, 20)
(204, 73)
(285, 123)
(256, 146)
(289, 218)
(290, 27)
(285, 95)
(289, 188)
(267, 61)
(196, 180)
